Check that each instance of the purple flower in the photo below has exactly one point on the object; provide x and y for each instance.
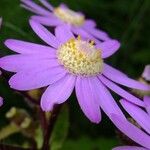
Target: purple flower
(68, 62)
(51, 16)
(146, 73)
(142, 137)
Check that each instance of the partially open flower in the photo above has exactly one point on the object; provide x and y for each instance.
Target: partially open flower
(68, 62)
(51, 16)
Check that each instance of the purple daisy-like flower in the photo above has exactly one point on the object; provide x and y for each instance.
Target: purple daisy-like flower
(146, 73)
(50, 16)
(142, 137)
(68, 62)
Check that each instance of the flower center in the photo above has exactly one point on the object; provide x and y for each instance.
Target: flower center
(69, 16)
(80, 57)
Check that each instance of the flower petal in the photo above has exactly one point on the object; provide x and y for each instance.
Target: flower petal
(33, 79)
(15, 63)
(58, 92)
(47, 5)
(120, 91)
(147, 103)
(30, 9)
(129, 148)
(124, 80)
(131, 131)
(63, 33)
(108, 47)
(36, 7)
(88, 101)
(44, 34)
(29, 48)
(113, 70)
(106, 101)
(89, 24)
(137, 114)
(98, 34)
(48, 21)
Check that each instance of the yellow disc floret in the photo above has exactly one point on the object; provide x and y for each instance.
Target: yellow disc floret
(80, 57)
(69, 16)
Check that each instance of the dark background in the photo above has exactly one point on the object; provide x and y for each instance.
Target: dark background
(125, 20)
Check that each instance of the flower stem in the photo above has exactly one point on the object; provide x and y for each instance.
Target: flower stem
(50, 127)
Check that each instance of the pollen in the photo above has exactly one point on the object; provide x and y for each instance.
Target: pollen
(69, 16)
(80, 57)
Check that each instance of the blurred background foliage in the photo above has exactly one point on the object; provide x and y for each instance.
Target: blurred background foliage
(124, 20)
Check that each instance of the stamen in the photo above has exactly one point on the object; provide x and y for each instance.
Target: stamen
(80, 57)
(69, 16)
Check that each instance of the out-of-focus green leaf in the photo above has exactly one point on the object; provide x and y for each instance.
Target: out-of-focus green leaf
(39, 137)
(85, 143)
(61, 129)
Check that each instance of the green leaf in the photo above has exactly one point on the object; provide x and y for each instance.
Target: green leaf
(88, 143)
(61, 129)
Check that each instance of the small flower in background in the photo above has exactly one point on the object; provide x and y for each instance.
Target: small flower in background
(140, 136)
(51, 16)
(146, 73)
(66, 63)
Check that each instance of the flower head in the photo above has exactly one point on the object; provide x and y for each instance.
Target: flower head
(51, 16)
(67, 62)
(142, 137)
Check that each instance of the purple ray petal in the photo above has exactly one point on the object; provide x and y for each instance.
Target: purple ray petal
(16, 63)
(44, 34)
(58, 92)
(47, 21)
(30, 9)
(29, 48)
(63, 33)
(63, 5)
(98, 34)
(131, 131)
(106, 101)
(113, 70)
(138, 114)
(37, 78)
(89, 24)
(124, 80)
(88, 101)
(120, 91)
(147, 103)
(36, 7)
(47, 4)
(85, 35)
(1, 101)
(129, 148)
(108, 47)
